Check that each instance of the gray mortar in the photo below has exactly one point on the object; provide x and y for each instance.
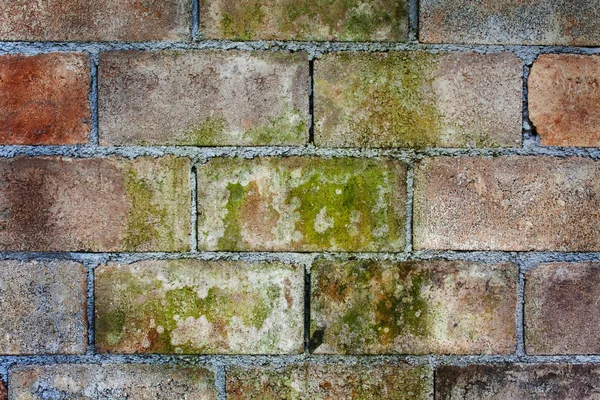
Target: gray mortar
(526, 261)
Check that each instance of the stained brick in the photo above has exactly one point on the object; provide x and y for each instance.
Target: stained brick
(417, 99)
(561, 313)
(370, 307)
(539, 22)
(194, 307)
(133, 381)
(313, 381)
(83, 20)
(507, 203)
(564, 99)
(44, 98)
(203, 98)
(301, 204)
(103, 204)
(362, 20)
(517, 382)
(42, 308)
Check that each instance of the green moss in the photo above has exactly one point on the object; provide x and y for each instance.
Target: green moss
(232, 236)
(145, 217)
(339, 204)
(209, 132)
(241, 19)
(289, 127)
(385, 101)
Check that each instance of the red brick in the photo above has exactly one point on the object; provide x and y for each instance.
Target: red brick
(44, 99)
(564, 99)
(101, 204)
(515, 203)
(561, 309)
(517, 382)
(84, 20)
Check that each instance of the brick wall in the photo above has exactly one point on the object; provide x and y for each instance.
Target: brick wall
(293, 199)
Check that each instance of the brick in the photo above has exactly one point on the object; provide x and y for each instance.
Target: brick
(85, 21)
(314, 381)
(42, 308)
(203, 98)
(195, 307)
(561, 314)
(507, 203)
(539, 22)
(564, 97)
(361, 20)
(44, 99)
(371, 307)
(103, 204)
(418, 99)
(3, 392)
(132, 381)
(301, 204)
(517, 382)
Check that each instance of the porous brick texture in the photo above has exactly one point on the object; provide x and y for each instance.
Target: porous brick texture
(44, 99)
(415, 99)
(300, 199)
(203, 98)
(194, 307)
(344, 20)
(539, 22)
(366, 307)
(89, 381)
(89, 21)
(564, 99)
(314, 381)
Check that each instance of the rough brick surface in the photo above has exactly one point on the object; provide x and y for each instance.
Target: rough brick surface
(517, 382)
(105, 204)
(84, 20)
(417, 99)
(507, 203)
(44, 99)
(361, 20)
(135, 382)
(561, 313)
(42, 308)
(203, 98)
(301, 204)
(3, 391)
(369, 307)
(539, 22)
(313, 381)
(564, 99)
(191, 307)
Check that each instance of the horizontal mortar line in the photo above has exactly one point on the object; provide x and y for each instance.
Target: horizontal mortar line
(313, 48)
(206, 360)
(206, 153)
(525, 258)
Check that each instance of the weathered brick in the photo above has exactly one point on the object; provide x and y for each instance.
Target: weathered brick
(314, 381)
(42, 308)
(538, 22)
(84, 20)
(561, 313)
(203, 98)
(371, 307)
(507, 203)
(361, 20)
(132, 381)
(103, 204)
(3, 392)
(44, 98)
(517, 382)
(301, 204)
(193, 307)
(418, 99)
(564, 99)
